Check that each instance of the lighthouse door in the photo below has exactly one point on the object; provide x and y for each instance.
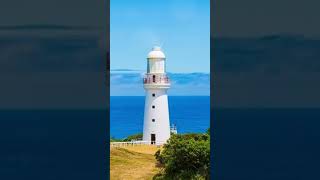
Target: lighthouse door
(153, 138)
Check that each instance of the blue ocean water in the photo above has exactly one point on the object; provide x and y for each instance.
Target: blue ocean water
(246, 144)
(266, 144)
(53, 144)
(189, 113)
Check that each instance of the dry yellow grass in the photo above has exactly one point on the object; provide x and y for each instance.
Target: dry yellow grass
(145, 149)
(136, 162)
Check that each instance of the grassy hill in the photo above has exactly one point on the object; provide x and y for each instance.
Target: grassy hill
(133, 162)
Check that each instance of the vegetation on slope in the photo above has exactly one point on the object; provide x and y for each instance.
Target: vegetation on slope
(134, 137)
(127, 139)
(185, 156)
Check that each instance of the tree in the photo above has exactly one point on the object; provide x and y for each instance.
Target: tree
(185, 156)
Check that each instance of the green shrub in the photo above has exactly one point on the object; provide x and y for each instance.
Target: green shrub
(127, 139)
(133, 137)
(185, 156)
(113, 139)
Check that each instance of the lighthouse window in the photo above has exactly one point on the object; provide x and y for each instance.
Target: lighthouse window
(154, 78)
(153, 107)
(153, 120)
(153, 95)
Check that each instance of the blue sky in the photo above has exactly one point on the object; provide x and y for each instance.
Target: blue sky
(42, 70)
(49, 62)
(181, 27)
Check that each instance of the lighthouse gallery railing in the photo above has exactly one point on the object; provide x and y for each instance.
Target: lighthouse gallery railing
(156, 79)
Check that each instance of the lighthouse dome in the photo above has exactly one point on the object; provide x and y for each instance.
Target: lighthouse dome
(156, 53)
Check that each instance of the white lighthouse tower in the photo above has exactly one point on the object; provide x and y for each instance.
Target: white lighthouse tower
(156, 127)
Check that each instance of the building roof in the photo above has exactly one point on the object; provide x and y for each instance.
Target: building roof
(156, 53)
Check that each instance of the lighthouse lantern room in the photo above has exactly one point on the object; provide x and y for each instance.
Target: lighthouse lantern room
(156, 127)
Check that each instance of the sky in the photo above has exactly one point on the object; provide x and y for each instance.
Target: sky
(180, 27)
(252, 18)
(265, 53)
(270, 71)
(256, 52)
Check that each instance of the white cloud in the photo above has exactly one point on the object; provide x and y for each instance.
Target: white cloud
(130, 84)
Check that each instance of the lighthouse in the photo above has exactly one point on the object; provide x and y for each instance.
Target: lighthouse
(156, 126)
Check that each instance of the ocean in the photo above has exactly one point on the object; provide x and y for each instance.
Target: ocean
(53, 144)
(266, 144)
(246, 144)
(188, 113)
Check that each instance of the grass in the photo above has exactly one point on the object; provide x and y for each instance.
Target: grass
(133, 162)
(145, 149)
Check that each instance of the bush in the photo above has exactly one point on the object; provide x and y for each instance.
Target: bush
(127, 139)
(113, 139)
(133, 137)
(185, 157)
